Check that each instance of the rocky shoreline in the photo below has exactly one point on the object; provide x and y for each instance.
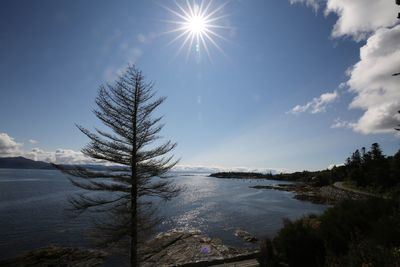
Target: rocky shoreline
(328, 195)
(58, 256)
(173, 248)
(190, 248)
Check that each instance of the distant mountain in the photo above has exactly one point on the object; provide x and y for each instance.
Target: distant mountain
(24, 163)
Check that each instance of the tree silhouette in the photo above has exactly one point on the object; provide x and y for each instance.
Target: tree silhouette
(124, 193)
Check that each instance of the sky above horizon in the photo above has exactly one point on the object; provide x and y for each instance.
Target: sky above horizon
(290, 84)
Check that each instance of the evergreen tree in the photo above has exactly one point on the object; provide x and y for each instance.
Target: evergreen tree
(376, 152)
(356, 159)
(126, 109)
(395, 169)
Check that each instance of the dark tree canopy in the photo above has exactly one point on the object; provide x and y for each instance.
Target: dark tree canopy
(123, 193)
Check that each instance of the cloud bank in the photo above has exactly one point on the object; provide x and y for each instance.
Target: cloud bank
(213, 169)
(10, 148)
(360, 18)
(375, 91)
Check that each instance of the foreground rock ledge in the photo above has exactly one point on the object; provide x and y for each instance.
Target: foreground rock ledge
(58, 256)
(190, 248)
(173, 248)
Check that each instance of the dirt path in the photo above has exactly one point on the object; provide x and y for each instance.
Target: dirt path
(342, 186)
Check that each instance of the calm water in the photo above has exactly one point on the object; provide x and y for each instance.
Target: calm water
(33, 211)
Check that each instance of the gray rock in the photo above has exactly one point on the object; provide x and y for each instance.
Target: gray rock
(177, 248)
(246, 236)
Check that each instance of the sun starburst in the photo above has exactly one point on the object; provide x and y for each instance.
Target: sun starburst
(197, 24)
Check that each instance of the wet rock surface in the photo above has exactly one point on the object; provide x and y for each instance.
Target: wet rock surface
(57, 256)
(245, 236)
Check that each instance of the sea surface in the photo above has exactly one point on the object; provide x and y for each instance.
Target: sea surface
(34, 209)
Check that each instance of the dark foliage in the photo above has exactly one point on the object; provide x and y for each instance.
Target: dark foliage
(373, 169)
(364, 168)
(353, 233)
(299, 244)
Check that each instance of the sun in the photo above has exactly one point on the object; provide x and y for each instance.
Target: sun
(197, 24)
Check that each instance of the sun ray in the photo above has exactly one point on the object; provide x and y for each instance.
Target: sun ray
(215, 19)
(215, 44)
(206, 48)
(215, 11)
(178, 37)
(184, 17)
(188, 37)
(216, 34)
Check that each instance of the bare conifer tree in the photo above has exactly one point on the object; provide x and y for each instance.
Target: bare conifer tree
(124, 193)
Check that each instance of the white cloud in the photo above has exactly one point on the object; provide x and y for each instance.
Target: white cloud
(338, 123)
(356, 18)
(8, 147)
(359, 18)
(33, 142)
(40, 155)
(317, 105)
(315, 4)
(67, 156)
(375, 90)
(379, 119)
(60, 156)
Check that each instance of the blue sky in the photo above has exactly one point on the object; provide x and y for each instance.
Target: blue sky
(236, 110)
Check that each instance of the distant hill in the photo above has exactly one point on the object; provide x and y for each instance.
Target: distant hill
(24, 163)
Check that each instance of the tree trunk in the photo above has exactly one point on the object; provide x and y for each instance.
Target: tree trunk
(134, 229)
(134, 256)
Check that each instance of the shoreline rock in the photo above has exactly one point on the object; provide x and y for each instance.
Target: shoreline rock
(327, 195)
(58, 256)
(245, 236)
(173, 248)
(180, 248)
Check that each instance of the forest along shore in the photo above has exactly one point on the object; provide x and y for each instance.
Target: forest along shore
(303, 189)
